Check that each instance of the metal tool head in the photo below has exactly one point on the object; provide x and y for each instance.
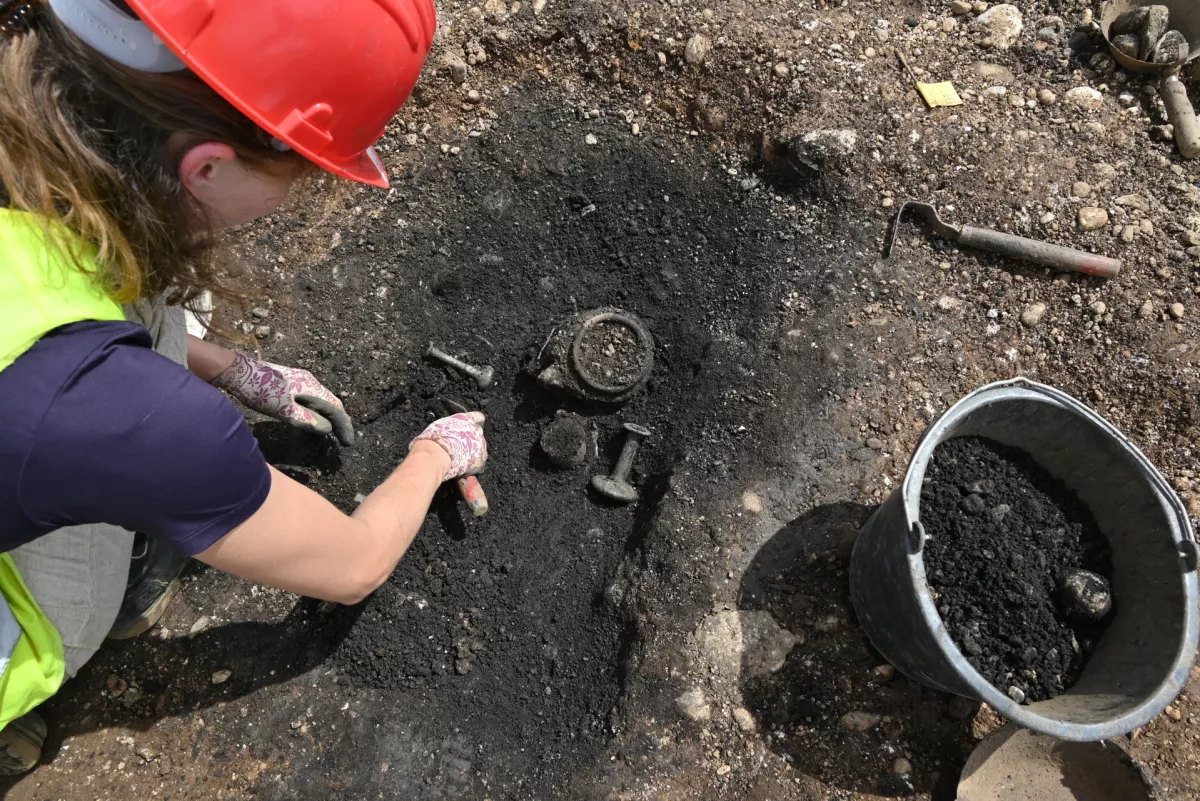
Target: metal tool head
(483, 376)
(926, 212)
(615, 490)
(641, 432)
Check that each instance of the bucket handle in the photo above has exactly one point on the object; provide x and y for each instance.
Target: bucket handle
(1189, 550)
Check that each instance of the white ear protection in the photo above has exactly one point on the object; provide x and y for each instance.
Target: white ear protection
(112, 32)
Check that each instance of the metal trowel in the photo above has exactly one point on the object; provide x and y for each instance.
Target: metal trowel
(1011, 245)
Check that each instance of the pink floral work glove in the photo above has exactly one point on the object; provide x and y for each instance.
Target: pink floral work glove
(462, 437)
(287, 394)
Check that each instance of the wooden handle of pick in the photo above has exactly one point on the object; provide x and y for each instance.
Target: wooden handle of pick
(1182, 116)
(473, 495)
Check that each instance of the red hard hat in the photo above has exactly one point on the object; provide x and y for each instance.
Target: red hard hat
(323, 76)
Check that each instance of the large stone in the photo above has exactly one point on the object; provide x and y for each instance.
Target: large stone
(1157, 18)
(744, 643)
(1127, 44)
(1132, 21)
(1001, 24)
(993, 73)
(1173, 48)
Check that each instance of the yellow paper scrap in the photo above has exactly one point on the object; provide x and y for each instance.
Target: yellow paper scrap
(939, 94)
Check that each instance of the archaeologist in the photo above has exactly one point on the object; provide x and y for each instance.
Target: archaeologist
(129, 132)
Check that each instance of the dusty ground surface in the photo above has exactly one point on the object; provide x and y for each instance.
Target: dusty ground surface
(699, 644)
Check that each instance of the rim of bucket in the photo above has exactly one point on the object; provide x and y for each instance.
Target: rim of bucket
(1151, 707)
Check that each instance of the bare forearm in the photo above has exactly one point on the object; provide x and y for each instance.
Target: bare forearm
(207, 360)
(298, 541)
(393, 513)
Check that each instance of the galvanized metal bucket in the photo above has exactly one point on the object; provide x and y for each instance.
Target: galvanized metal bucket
(1144, 658)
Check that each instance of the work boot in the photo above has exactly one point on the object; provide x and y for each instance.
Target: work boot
(21, 744)
(154, 569)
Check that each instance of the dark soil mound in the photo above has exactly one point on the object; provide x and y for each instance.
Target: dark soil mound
(514, 630)
(1002, 533)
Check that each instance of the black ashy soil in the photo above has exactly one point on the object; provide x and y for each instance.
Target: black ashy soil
(1005, 540)
(510, 632)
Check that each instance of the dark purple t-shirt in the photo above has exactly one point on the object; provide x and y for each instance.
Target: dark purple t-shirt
(98, 428)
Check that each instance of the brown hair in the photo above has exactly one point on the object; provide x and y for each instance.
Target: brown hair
(84, 143)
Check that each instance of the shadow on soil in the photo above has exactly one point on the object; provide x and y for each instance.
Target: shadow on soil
(175, 675)
(801, 577)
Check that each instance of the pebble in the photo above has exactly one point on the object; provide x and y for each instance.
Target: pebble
(1173, 713)
(882, 674)
(1099, 307)
(1128, 233)
(887, 202)
(781, 70)
(1001, 26)
(202, 624)
(723, 769)
(693, 705)
(1092, 218)
(1016, 694)
(1046, 97)
(1177, 311)
(743, 719)
(1146, 310)
(1085, 97)
(946, 303)
(902, 767)
(591, 139)
(860, 721)
(960, 7)
(1081, 189)
(458, 72)
(262, 331)
(1134, 202)
(259, 313)
(752, 503)
(116, 685)
(473, 96)
(539, 6)
(221, 676)
(949, 25)
(696, 50)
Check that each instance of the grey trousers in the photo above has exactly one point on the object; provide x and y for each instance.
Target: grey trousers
(78, 574)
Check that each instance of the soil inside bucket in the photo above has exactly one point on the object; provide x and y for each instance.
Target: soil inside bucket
(994, 567)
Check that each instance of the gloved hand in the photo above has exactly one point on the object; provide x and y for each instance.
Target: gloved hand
(461, 436)
(288, 394)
